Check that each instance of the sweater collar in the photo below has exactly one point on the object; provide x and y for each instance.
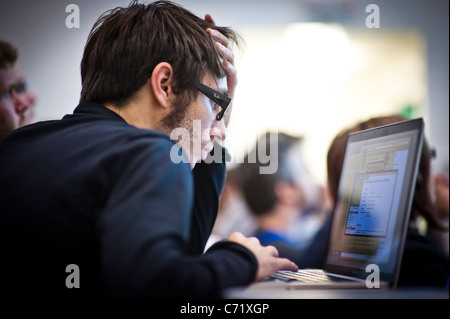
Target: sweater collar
(88, 107)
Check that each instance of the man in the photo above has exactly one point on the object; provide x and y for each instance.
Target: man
(105, 198)
(16, 102)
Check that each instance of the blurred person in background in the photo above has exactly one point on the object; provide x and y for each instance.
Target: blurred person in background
(424, 263)
(17, 103)
(278, 200)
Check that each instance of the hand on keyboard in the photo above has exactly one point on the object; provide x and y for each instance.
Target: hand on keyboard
(267, 256)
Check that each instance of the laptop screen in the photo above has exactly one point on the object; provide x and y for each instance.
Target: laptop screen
(374, 199)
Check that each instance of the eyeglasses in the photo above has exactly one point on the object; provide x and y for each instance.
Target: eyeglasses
(18, 88)
(220, 99)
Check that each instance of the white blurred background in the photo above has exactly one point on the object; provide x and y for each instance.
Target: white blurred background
(308, 67)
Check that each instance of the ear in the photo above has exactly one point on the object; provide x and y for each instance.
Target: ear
(161, 82)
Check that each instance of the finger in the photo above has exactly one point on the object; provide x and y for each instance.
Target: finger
(253, 241)
(209, 19)
(219, 37)
(230, 70)
(286, 264)
(236, 237)
(231, 73)
(272, 250)
(225, 52)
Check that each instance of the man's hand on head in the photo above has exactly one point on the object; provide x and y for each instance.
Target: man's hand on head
(222, 44)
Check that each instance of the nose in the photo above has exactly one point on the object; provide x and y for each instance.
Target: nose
(219, 130)
(20, 103)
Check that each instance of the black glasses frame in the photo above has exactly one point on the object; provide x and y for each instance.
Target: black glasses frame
(220, 99)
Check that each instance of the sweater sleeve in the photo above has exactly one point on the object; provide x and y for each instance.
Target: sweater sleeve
(144, 231)
(209, 179)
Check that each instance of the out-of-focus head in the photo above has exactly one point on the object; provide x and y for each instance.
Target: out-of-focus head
(16, 101)
(262, 191)
(422, 203)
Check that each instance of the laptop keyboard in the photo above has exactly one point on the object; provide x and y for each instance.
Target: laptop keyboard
(307, 276)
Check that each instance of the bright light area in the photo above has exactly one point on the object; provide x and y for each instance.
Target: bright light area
(315, 79)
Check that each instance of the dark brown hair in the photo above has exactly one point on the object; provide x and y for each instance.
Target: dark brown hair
(126, 44)
(335, 154)
(422, 204)
(259, 189)
(8, 54)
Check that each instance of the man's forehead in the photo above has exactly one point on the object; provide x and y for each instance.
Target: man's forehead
(217, 83)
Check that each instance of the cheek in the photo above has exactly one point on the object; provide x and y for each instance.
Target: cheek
(206, 118)
(431, 186)
(206, 131)
(8, 116)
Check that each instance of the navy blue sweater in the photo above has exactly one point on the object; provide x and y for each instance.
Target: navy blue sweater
(94, 191)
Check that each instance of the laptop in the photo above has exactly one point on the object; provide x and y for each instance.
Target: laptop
(371, 212)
